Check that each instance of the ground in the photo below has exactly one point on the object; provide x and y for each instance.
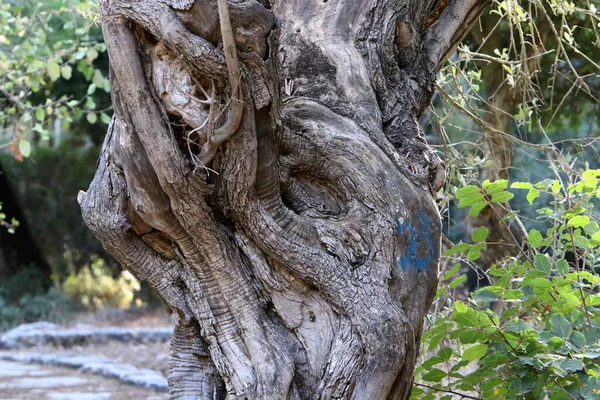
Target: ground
(22, 380)
(41, 382)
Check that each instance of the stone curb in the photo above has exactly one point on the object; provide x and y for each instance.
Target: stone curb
(45, 333)
(99, 365)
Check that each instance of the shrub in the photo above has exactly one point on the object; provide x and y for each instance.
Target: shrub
(534, 332)
(53, 306)
(96, 288)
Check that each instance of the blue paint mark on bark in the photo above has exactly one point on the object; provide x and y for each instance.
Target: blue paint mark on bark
(419, 238)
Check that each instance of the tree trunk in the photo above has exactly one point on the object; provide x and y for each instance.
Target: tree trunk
(504, 239)
(280, 203)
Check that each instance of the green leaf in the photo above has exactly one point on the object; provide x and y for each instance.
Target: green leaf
(592, 228)
(472, 318)
(459, 365)
(579, 221)
(535, 238)
(91, 118)
(501, 197)
(66, 71)
(540, 383)
(562, 266)
(480, 234)
(459, 248)
(560, 326)
(53, 71)
(578, 339)
(559, 393)
(460, 307)
(452, 271)
(540, 282)
(447, 352)
(556, 342)
(570, 366)
(582, 241)
(516, 326)
(92, 54)
(497, 186)
(556, 186)
(576, 211)
(475, 252)
(470, 199)
(434, 375)
(532, 195)
(485, 295)
(98, 78)
(476, 209)
(105, 118)
(464, 191)
(513, 294)
(90, 103)
(590, 173)
(435, 340)
(471, 336)
(563, 307)
(475, 352)
(542, 263)
(522, 185)
(458, 281)
(40, 114)
(25, 147)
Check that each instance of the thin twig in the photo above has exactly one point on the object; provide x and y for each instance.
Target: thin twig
(463, 395)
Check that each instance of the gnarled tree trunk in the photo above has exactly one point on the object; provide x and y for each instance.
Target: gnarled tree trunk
(278, 197)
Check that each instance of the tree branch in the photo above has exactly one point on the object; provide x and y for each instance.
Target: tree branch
(454, 22)
(162, 22)
(235, 113)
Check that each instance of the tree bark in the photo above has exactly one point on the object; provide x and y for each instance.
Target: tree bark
(278, 198)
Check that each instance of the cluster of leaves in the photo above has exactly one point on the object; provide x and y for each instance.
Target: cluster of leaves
(526, 76)
(24, 299)
(11, 225)
(43, 45)
(96, 288)
(45, 187)
(534, 332)
(542, 51)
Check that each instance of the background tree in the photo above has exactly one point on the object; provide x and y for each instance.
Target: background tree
(51, 58)
(278, 198)
(524, 78)
(18, 246)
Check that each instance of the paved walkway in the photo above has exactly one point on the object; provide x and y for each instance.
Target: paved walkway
(23, 381)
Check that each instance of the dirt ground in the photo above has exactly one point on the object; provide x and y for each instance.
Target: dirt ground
(132, 318)
(20, 381)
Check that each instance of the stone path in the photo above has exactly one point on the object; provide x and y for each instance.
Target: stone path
(44, 361)
(100, 365)
(23, 381)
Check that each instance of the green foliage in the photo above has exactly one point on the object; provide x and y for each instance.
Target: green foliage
(46, 189)
(534, 332)
(53, 306)
(11, 225)
(23, 299)
(96, 289)
(44, 45)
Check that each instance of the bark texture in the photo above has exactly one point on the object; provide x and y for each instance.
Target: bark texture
(277, 197)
